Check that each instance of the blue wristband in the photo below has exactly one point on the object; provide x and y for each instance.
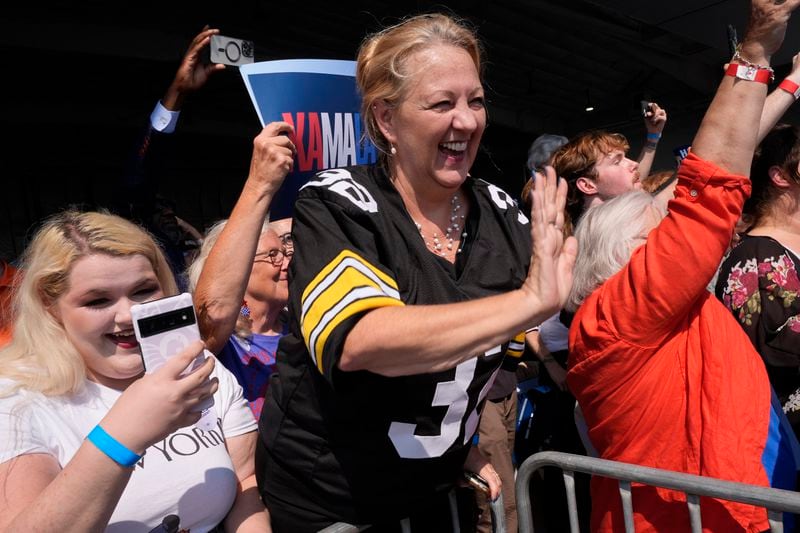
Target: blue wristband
(653, 137)
(111, 447)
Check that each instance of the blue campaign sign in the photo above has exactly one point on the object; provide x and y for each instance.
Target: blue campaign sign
(319, 98)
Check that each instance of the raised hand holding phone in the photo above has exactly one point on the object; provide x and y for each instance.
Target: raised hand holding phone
(230, 51)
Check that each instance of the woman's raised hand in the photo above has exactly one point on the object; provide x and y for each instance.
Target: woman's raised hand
(273, 157)
(550, 275)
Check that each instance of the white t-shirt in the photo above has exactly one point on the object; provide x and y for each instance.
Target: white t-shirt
(188, 474)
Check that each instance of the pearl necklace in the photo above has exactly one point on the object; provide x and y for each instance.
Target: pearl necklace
(454, 227)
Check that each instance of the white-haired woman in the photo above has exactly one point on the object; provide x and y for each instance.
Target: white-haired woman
(77, 415)
(240, 279)
(664, 375)
(246, 322)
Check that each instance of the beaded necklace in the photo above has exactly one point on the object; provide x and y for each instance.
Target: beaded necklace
(455, 226)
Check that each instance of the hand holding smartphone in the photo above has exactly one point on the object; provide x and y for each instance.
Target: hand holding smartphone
(477, 482)
(163, 328)
(230, 51)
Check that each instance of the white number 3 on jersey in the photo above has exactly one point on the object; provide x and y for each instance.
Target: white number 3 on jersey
(452, 394)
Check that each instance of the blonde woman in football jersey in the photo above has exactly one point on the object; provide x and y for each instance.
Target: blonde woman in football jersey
(410, 280)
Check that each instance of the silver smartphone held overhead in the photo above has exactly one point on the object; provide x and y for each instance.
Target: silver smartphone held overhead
(163, 328)
(230, 51)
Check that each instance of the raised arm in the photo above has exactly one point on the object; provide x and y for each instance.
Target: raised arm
(221, 287)
(404, 340)
(726, 136)
(144, 167)
(779, 101)
(654, 121)
(192, 74)
(711, 190)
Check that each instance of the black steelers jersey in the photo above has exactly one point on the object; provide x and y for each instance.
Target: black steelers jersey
(357, 446)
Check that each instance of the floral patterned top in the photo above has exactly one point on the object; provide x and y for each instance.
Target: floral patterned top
(758, 282)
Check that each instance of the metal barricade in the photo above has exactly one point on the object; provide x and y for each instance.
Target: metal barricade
(776, 501)
(342, 527)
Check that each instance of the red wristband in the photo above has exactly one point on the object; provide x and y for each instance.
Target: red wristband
(742, 72)
(790, 87)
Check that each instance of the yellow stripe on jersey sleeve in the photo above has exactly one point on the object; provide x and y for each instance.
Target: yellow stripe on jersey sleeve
(347, 285)
(516, 346)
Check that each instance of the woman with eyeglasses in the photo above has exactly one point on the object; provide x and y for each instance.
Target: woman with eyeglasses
(283, 227)
(240, 277)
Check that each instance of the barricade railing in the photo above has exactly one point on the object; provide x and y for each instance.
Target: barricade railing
(776, 501)
(342, 527)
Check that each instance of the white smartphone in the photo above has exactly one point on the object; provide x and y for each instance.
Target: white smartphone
(163, 328)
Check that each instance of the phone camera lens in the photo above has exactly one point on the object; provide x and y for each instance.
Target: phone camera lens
(232, 52)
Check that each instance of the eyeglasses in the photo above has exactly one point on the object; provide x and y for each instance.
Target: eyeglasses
(286, 241)
(274, 256)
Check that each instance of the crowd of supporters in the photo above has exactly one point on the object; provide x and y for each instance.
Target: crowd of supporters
(366, 357)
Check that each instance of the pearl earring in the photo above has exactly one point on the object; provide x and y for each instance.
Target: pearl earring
(393, 150)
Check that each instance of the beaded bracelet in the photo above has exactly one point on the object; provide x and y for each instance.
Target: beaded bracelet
(112, 447)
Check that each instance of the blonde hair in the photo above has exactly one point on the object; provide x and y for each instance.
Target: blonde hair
(607, 234)
(381, 69)
(40, 357)
(244, 325)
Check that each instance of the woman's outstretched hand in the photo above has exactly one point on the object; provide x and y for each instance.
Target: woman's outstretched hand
(550, 275)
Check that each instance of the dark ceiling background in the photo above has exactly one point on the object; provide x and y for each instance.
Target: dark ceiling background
(80, 80)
